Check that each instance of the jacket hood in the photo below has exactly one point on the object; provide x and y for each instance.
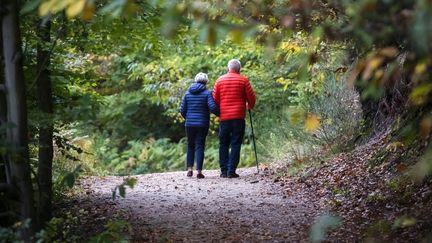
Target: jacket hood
(197, 88)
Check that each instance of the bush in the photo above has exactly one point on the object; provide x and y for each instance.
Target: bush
(336, 108)
(339, 111)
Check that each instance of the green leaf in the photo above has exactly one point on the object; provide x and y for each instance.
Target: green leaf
(322, 225)
(404, 221)
(70, 179)
(131, 182)
(77, 170)
(122, 191)
(115, 8)
(30, 6)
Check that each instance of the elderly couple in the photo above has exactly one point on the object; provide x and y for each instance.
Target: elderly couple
(232, 95)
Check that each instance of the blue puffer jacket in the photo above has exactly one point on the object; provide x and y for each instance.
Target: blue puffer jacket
(196, 106)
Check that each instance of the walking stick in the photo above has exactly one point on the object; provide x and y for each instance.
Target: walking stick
(253, 139)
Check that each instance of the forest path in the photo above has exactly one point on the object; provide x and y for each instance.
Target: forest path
(170, 207)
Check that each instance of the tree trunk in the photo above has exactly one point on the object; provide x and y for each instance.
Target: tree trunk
(4, 172)
(45, 128)
(17, 114)
(3, 115)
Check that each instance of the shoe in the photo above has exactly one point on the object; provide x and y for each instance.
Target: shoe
(234, 175)
(200, 176)
(189, 173)
(223, 175)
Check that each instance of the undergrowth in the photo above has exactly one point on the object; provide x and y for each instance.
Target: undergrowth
(159, 155)
(338, 112)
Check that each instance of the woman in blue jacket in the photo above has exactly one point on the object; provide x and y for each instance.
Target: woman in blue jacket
(195, 107)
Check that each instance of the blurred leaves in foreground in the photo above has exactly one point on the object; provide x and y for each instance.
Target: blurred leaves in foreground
(322, 225)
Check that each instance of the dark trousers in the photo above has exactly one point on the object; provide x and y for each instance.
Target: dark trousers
(231, 133)
(196, 137)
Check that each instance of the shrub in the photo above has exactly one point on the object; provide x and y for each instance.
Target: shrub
(338, 112)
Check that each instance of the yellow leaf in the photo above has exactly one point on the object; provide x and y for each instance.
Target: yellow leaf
(425, 127)
(45, 8)
(75, 8)
(371, 65)
(395, 146)
(60, 5)
(389, 52)
(420, 68)
(312, 123)
(420, 94)
(280, 80)
(88, 12)
(290, 47)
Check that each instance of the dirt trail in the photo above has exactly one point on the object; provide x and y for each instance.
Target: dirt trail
(171, 207)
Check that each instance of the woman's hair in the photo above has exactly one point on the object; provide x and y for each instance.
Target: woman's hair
(234, 65)
(201, 78)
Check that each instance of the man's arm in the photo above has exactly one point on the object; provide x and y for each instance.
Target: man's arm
(216, 94)
(250, 96)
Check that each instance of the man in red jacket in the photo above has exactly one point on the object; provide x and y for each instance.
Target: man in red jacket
(233, 94)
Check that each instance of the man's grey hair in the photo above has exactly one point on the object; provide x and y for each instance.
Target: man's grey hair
(234, 65)
(201, 78)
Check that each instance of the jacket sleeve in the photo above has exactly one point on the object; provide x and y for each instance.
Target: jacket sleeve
(216, 94)
(250, 96)
(212, 105)
(183, 107)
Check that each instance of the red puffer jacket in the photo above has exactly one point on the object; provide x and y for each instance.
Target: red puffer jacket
(231, 92)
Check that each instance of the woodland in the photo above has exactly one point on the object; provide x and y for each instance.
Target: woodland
(90, 89)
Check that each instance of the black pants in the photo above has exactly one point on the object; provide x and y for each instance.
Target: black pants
(196, 137)
(231, 133)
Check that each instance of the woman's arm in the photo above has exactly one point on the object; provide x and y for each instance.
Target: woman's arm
(212, 105)
(183, 107)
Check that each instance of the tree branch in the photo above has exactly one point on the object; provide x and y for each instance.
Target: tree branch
(46, 59)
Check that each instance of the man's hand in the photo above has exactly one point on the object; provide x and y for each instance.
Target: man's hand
(247, 106)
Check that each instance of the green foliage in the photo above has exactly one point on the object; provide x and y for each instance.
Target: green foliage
(13, 232)
(404, 221)
(116, 231)
(121, 87)
(144, 156)
(68, 179)
(424, 167)
(322, 225)
(129, 182)
(338, 112)
(58, 229)
(160, 155)
(379, 228)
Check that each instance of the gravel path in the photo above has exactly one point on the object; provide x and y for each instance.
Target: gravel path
(169, 207)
